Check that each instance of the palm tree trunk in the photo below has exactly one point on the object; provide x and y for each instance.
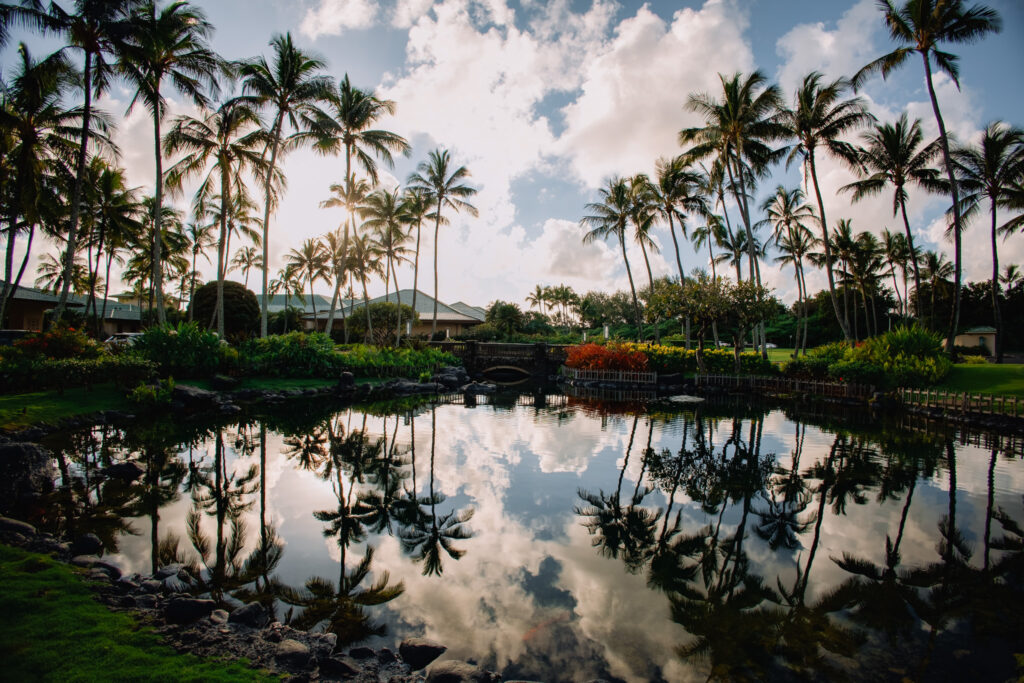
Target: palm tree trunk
(910, 244)
(437, 227)
(675, 243)
(276, 134)
(896, 285)
(632, 287)
(225, 201)
(334, 303)
(650, 281)
(954, 321)
(76, 194)
(157, 280)
(7, 292)
(21, 270)
(96, 273)
(416, 265)
(996, 312)
(398, 300)
(106, 286)
(366, 306)
(844, 323)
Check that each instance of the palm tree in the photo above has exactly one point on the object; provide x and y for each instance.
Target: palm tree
(415, 207)
(247, 258)
(537, 298)
(220, 146)
(445, 188)
(337, 255)
(382, 213)
(820, 117)
(167, 44)
(787, 213)
(96, 27)
(1011, 276)
(937, 270)
(642, 212)
(608, 218)
(39, 134)
(347, 196)
(988, 171)
(921, 26)
(364, 263)
(708, 234)
(291, 85)
(897, 253)
(51, 269)
(201, 238)
(675, 193)
(893, 154)
(309, 262)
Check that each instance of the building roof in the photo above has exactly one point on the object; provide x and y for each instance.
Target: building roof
(424, 306)
(23, 293)
(472, 311)
(278, 302)
(982, 329)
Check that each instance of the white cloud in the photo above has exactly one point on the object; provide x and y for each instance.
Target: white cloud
(634, 92)
(408, 12)
(333, 17)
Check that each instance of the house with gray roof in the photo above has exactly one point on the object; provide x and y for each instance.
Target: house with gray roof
(27, 307)
(450, 320)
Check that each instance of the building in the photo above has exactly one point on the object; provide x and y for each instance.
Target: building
(29, 305)
(978, 336)
(474, 312)
(302, 302)
(450, 320)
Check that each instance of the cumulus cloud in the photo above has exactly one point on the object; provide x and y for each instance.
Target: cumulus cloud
(334, 17)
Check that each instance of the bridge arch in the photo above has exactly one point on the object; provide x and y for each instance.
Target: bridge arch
(506, 373)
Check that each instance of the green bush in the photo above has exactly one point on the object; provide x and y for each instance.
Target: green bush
(60, 342)
(973, 360)
(186, 350)
(369, 361)
(241, 308)
(296, 354)
(19, 376)
(153, 395)
(672, 359)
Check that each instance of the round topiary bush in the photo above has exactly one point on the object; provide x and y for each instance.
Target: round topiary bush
(241, 309)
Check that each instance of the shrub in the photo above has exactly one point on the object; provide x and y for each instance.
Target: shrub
(152, 395)
(610, 357)
(186, 350)
(59, 342)
(296, 354)
(973, 360)
(383, 318)
(966, 351)
(369, 361)
(241, 308)
(673, 359)
(23, 375)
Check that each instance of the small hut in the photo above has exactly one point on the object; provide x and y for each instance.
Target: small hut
(985, 337)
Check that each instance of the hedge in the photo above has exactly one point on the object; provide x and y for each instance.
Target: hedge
(38, 375)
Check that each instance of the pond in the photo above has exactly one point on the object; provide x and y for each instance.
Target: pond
(553, 537)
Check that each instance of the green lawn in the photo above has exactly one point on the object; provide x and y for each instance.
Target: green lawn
(780, 355)
(54, 630)
(1003, 379)
(21, 410)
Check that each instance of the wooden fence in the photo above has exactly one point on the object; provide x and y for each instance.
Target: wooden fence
(962, 402)
(617, 376)
(787, 385)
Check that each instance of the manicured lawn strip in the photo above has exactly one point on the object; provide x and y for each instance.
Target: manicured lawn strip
(54, 630)
(1001, 380)
(22, 410)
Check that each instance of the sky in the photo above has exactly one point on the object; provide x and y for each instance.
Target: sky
(544, 101)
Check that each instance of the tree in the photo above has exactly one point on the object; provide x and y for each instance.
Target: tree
(245, 259)
(820, 117)
(749, 303)
(220, 146)
(445, 188)
(787, 213)
(675, 193)
(291, 85)
(241, 310)
(415, 207)
(705, 299)
(988, 171)
(504, 316)
(608, 218)
(347, 196)
(201, 238)
(364, 263)
(167, 43)
(921, 26)
(893, 154)
(309, 262)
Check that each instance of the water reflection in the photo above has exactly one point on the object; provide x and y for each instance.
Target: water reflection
(723, 542)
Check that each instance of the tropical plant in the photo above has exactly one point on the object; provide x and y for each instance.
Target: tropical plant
(309, 262)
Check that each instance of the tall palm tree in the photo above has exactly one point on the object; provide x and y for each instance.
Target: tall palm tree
(897, 253)
(921, 27)
(788, 215)
(537, 298)
(937, 271)
(348, 196)
(337, 254)
(309, 262)
(416, 206)
(893, 154)
(382, 213)
(820, 117)
(200, 236)
(246, 259)
(677, 192)
(446, 188)
(709, 234)
(364, 263)
(167, 44)
(608, 218)
(39, 133)
(221, 147)
(292, 86)
(97, 28)
(988, 171)
(642, 212)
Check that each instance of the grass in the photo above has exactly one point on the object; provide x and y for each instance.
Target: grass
(54, 630)
(1001, 380)
(22, 410)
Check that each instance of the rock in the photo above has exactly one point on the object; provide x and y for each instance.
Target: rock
(362, 653)
(453, 671)
(172, 584)
(292, 654)
(127, 585)
(127, 601)
(16, 526)
(253, 615)
(93, 562)
(479, 388)
(26, 473)
(224, 383)
(346, 380)
(685, 399)
(229, 409)
(219, 616)
(337, 667)
(419, 652)
(125, 471)
(168, 570)
(151, 585)
(145, 601)
(187, 610)
(87, 544)
(386, 656)
(448, 381)
(98, 575)
(193, 398)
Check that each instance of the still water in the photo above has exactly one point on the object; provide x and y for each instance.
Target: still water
(560, 538)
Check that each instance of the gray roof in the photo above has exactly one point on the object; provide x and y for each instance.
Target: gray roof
(278, 302)
(982, 329)
(424, 306)
(23, 293)
(474, 312)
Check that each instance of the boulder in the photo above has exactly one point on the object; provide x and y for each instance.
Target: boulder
(125, 471)
(475, 388)
(362, 653)
(172, 584)
(194, 398)
(26, 473)
(253, 614)
(15, 526)
(453, 671)
(187, 610)
(419, 652)
(94, 562)
(145, 601)
(168, 570)
(219, 616)
(224, 383)
(292, 654)
(87, 544)
(338, 667)
(229, 409)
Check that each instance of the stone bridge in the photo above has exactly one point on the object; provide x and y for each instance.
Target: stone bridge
(507, 361)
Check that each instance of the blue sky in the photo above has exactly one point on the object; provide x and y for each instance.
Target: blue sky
(543, 100)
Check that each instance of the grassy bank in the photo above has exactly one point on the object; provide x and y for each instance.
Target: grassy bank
(1001, 380)
(54, 630)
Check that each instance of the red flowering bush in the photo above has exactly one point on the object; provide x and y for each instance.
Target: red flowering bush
(60, 342)
(610, 357)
